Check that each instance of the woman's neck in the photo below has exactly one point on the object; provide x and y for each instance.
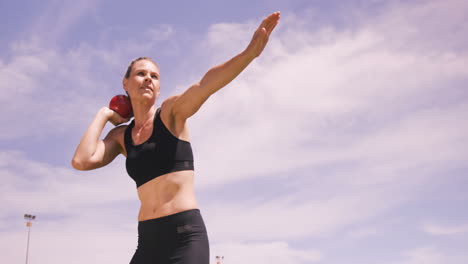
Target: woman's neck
(144, 115)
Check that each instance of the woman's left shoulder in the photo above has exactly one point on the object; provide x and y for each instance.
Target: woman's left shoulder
(167, 105)
(169, 113)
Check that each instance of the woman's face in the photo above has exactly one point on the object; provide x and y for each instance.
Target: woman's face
(143, 83)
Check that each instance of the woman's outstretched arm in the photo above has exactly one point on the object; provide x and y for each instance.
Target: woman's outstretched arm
(92, 152)
(188, 103)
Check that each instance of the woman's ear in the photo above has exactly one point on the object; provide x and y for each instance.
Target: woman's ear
(124, 84)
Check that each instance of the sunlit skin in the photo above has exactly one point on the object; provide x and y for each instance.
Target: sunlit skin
(168, 193)
(173, 192)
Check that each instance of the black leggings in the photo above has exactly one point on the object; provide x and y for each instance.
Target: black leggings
(180, 238)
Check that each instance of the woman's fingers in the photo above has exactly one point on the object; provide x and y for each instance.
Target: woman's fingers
(270, 22)
(261, 35)
(272, 26)
(116, 119)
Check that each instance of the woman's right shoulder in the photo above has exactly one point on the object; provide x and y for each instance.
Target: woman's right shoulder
(117, 133)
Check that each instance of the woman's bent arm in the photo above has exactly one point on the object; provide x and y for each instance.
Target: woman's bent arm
(94, 153)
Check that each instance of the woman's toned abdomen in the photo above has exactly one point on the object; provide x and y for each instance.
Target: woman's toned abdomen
(167, 194)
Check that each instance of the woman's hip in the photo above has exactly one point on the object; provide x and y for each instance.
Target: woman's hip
(176, 238)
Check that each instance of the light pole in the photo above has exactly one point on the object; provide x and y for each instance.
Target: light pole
(219, 259)
(29, 218)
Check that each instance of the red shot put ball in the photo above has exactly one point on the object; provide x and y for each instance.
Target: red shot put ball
(122, 105)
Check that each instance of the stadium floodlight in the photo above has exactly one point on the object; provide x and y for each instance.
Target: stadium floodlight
(29, 218)
(219, 259)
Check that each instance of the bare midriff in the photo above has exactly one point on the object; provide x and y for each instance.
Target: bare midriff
(167, 194)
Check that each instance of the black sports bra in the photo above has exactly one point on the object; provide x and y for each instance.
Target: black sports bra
(162, 153)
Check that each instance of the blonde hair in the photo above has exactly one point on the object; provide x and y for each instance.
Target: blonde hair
(129, 69)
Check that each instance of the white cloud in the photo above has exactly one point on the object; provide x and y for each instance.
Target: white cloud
(267, 253)
(431, 25)
(384, 99)
(426, 255)
(36, 187)
(74, 211)
(161, 33)
(296, 216)
(431, 255)
(57, 18)
(434, 229)
(39, 96)
(48, 91)
(335, 96)
(60, 244)
(364, 232)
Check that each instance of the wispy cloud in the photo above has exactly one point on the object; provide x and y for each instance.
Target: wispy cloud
(54, 92)
(426, 255)
(354, 122)
(36, 186)
(350, 97)
(431, 255)
(364, 232)
(435, 229)
(57, 19)
(265, 253)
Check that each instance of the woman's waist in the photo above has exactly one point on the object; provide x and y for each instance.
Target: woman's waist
(169, 227)
(168, 205)
(167, 183)
(168, 194)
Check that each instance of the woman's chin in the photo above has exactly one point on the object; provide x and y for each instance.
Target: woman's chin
(145, 99)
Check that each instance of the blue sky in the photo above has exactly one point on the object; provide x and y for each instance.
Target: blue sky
(345, 142)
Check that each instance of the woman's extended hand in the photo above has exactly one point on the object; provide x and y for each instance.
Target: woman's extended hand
(262, 34)
(187, 104)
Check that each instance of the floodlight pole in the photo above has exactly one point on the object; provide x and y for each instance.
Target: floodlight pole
(29, 219)
(219, 259)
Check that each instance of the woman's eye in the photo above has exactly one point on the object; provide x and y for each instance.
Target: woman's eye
(141, 74)
(154, 77)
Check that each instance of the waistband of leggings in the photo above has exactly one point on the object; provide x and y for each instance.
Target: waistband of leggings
(173, 218)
